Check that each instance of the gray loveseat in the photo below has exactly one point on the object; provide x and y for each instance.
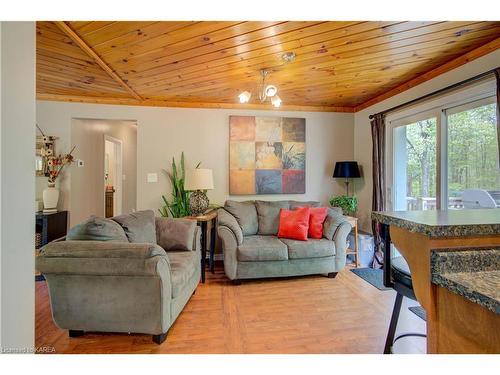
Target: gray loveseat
(248, 232)
(127, 281)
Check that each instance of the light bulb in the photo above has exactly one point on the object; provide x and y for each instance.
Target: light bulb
(271, 90)
(276, 101)
(244, 97)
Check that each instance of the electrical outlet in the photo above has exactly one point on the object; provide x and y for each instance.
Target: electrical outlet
(152, 177)
(80, 163)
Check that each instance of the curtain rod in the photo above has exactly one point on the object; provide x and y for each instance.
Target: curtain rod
(438, 92)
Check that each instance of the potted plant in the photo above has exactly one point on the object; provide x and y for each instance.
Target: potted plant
(349, 205)
(179, 205)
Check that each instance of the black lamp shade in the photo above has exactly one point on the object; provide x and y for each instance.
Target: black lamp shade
(346, 169)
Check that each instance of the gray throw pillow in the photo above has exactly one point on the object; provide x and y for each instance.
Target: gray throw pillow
(332, 222)
(269, 216)
(175, 234)
(139, 226)
(97, 229)
(297, 204)
(245, 214)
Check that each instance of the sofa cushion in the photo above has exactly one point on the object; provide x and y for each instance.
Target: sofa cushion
(245, 214)
(182, 267)
(316, 219)
(335, 211)
(261, 248)
(97, 229)
(294, 224)
(311, 248)
(139, 226)
(175, 234)
(296, 204)
(269, 216)
(331, 224)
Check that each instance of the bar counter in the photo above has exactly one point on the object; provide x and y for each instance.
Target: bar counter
(458, 287)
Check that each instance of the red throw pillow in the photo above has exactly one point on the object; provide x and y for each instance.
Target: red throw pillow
(316, 219)
(294, 224)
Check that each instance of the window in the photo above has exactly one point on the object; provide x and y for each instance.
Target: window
(435, 155)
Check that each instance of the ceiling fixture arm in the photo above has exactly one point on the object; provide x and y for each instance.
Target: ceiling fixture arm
(262, 88)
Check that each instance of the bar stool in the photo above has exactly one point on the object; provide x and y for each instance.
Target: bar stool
(402, 284)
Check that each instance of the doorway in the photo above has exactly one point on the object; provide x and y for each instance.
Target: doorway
(113, 176)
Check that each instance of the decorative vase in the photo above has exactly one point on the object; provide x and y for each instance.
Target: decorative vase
(50, 198)
(198, 203)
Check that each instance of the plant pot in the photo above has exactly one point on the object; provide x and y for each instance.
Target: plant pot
(50, 198)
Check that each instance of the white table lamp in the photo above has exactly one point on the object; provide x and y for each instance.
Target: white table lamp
(197, 180)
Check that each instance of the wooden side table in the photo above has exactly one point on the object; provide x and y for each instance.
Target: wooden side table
(354, 223)
(203, 221)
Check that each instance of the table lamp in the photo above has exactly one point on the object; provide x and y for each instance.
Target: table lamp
(347, 170)
(197, 180)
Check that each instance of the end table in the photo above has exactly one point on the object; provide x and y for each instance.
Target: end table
(350, 251)
(49, 227)
(203, 221)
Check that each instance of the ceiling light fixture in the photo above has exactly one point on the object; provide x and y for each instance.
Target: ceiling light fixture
(265, 91)
(288, 57)
(270, 91)
(244, 97)
(276, 101)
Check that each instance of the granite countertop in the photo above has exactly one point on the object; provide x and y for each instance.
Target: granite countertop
(444, 223)
(473, 274)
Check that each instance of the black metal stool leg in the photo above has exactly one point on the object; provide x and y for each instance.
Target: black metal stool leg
(394, 322)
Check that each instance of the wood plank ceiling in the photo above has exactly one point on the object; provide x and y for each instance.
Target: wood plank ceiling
(339, 66)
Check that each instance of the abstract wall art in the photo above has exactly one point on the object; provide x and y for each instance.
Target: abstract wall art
(267, 155)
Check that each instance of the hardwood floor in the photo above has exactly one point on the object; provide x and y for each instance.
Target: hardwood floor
(312, 314)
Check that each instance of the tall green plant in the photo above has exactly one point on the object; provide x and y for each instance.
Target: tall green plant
(179, 205)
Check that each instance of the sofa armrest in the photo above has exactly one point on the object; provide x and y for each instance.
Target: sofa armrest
(340, 239)
(197, 240)
(231, 236)
(176, 233)
(103, 258)
(225, 219)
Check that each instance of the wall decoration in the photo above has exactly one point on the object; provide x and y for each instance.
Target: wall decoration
(267, 155)
(45, 148)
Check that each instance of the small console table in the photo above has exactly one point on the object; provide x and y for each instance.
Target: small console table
(49, 227)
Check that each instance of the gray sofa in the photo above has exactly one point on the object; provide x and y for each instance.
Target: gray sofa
(248, 232)
(128, 281)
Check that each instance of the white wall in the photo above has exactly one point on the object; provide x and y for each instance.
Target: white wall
(87, 182)
(203, 135)
(0, 185)
(18, 181)
(362, 129)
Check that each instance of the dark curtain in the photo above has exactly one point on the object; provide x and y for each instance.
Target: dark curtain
(497, 74)
(378, 166)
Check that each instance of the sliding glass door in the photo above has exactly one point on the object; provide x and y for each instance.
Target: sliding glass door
(415, 167)
(472, 150)
(436, 156)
